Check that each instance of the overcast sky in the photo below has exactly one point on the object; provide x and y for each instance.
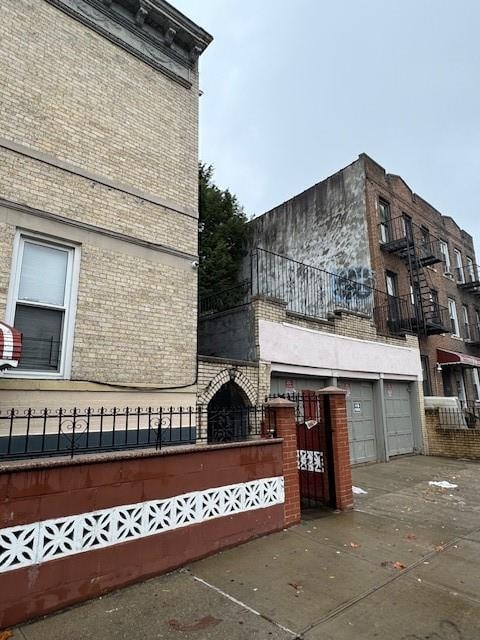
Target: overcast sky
(295, 89)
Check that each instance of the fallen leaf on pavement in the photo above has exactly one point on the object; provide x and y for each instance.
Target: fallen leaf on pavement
(398, 565)
(411, 536)
(354, 545)
(4, 635)
(296, 585)
(438, 547)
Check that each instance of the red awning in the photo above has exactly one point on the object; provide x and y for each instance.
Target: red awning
(453, 357)
(10, 346)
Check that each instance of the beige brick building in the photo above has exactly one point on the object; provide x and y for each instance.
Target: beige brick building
(98, 201)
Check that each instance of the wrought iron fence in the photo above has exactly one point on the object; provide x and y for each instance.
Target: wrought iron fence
(36, 433)
(312, 292)
(309, 290)
(465, 417)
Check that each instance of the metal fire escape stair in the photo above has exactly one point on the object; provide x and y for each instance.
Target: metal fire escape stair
(409, 243)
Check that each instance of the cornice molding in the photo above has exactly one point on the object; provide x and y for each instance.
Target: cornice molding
(151, 30)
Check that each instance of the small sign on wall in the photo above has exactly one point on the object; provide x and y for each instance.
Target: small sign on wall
(389, 390)
(357, 407)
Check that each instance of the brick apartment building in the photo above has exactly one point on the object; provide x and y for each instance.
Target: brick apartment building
(369, 226)
(357, 282)
(421, 255)
(98, 202)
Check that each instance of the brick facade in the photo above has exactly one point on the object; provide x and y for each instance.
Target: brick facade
(98, 148)
(402, 200)
(450, 441)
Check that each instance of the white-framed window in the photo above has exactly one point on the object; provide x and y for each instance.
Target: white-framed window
(384, 216)
(470, 270)
(41, 304)
(476, 383)
(459, 266)
(446, 257)
(452, 310)
(466, 323)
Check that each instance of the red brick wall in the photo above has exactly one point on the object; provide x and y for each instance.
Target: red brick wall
(391, 188)
(52, 491)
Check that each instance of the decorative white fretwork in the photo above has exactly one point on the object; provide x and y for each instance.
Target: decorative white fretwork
(26, 545)
(310, 461)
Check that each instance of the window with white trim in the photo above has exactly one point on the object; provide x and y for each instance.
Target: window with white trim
(459, 266)
(466, 323)
(446, 257)
(42, 304)
(452, 310)
(476, 383)
(470, 271)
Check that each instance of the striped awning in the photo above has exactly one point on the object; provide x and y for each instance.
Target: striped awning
(10, 346)
(453, 357)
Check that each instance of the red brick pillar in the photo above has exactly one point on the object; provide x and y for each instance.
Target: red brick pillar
(283, 412)
(336, 406)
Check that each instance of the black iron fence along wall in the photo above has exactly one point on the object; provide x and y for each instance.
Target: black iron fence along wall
(36, 433)
(312, 292)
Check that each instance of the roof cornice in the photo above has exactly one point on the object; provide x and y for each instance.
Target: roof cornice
(151, 30)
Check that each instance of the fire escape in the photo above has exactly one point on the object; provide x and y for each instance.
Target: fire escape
(418, 249)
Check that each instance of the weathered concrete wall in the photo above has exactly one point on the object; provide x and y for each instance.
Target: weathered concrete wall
(324, 226)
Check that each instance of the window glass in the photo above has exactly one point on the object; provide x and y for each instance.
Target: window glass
(43, 274)
(452, 309)
(42, 337)
(446, 256)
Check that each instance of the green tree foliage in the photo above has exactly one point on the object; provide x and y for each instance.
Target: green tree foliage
(224, 235)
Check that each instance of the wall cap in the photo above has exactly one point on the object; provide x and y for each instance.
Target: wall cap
(279, 403)
(331, 391)
(14, 466)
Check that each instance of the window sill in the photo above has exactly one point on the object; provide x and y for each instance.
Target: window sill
(31, 375)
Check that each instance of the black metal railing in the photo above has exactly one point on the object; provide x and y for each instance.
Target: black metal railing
(312, 292)
(471, 333)
(467, 416)
(308, 290)
(400, 234)
(36, 433)
(226, 298)
(467, 277)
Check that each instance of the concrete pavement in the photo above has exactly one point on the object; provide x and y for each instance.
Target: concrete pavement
(334, 576)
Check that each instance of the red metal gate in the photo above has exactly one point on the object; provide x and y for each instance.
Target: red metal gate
(314, 450)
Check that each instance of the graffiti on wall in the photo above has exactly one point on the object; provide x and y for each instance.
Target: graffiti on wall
(354, 285)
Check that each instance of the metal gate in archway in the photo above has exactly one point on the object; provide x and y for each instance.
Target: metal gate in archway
(315, 450)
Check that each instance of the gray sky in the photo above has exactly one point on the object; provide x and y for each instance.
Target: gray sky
(296, 89)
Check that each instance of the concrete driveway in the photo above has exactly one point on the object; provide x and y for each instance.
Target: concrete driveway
(404, 565)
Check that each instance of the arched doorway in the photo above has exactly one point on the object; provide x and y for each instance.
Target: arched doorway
(228, 414)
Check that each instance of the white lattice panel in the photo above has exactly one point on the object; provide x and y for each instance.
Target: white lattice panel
(30, 544)
(310, 461)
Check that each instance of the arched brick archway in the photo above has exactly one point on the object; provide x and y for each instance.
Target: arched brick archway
(225, 376)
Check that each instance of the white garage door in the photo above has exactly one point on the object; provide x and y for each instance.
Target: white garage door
(361, 422)
(398, 415)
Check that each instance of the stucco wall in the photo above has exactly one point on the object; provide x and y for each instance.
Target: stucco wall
(333, 354)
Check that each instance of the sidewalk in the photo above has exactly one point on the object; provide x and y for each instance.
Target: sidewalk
(334, 576)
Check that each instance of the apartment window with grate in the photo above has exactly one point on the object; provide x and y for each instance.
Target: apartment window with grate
(42, 305)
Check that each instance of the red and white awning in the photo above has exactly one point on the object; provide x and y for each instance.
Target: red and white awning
(453, 357)
(10, 346)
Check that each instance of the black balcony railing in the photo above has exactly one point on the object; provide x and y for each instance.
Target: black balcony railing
(400, 235)
(467, 277)
(312, 292)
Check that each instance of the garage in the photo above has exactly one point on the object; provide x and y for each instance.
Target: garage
(398, 417)
(361, 420)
